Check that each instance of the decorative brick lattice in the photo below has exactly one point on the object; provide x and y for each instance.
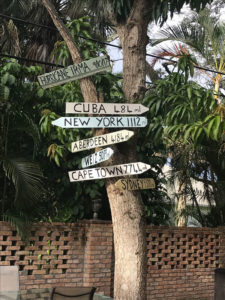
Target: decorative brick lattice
(181, 261)
(49, 250)
(182, 250)
(78, 254)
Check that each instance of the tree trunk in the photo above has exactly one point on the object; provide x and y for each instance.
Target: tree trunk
(181, 202)
(128, 217)
(126, 207)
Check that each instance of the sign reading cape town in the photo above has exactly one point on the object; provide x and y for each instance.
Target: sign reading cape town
(110, 171)
(100, 122)
(96, 157)
(105, 108)
(135, 184)
(84, 69)
(102, 140)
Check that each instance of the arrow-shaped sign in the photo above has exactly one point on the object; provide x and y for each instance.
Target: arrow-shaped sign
(105, 108)
(100, 122)
(84, 69)
(106, 172)
(135, 184)
(102, 140)
(96, 157)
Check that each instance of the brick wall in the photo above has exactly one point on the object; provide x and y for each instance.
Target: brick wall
(181, 261)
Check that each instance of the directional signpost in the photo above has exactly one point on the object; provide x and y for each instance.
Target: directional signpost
(110, 171)
(74, 72)
(100, 122)
(135, 184)
(102, 140)
(96, 157)
(105, 108)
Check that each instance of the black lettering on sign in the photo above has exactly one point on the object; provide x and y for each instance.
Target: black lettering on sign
(68, 120)
(87, 160)
(86, 68)
(140, 169)
(75, 107)
(103, 172)
(123, 181)
(123, 108)
(111, 171)
(74, 175)
(138, 121)
(106, 122)
(90, 173)
(84, 122)
(75, 122)
(97, 169)
(81, 145)
(112, 121)
(102, 109)
(119, 121)
(116, 111)
(119, 170)
(99, 121)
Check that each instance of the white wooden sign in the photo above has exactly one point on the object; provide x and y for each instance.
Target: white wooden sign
(100, 122)
(135, 184)
(102, 140)
(105, 108)
(110, 171)
(73, 72)
(96, 157)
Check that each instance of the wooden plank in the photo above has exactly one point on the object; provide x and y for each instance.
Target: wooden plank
(107, 172)
(105, 108)
(96, 157)
(135, 184)
(73, 72)
(102, 140)
(100, 122)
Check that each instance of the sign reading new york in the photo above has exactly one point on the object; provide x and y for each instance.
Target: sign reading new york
(73, 72)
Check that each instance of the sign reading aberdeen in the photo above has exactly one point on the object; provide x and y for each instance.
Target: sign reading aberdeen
(102, 140)
(84, 69)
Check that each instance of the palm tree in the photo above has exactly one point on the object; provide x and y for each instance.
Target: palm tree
(204, 37)
(22, 180)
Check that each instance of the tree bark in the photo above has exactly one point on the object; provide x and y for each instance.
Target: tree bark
(181, 201)
(126, 207)
(128, 217)
(87, 87)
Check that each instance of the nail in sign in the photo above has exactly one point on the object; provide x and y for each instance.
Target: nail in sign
(135, 184)
(100, 122)
(105, 108)
(96, 157)
(73, 72)
(110, 171)
(102, 140)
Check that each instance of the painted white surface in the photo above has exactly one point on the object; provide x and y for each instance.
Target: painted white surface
(73, 72)
(105, 108)
(96, 157)
(107, 172)
(101, 122)
(102, 140)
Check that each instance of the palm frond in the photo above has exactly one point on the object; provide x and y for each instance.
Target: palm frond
(27, 179)
(24, 123)
(21, 222)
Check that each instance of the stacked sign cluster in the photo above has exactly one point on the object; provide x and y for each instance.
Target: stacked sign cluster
(112, 119)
